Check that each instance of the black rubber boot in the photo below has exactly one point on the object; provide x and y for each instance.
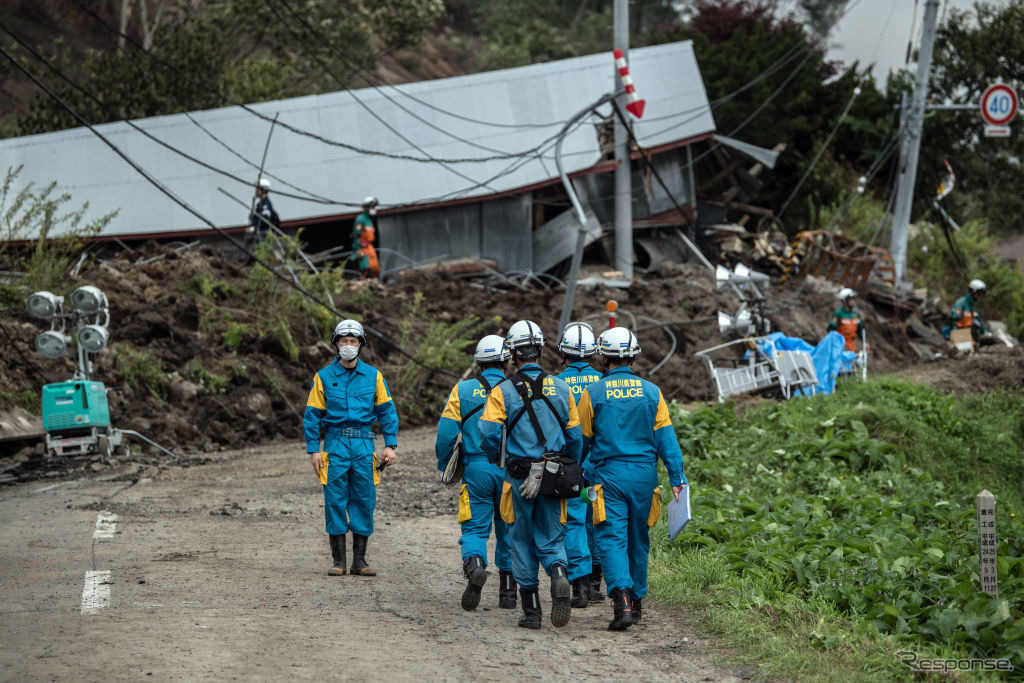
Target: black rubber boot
(476, 574)
(623, 617)
(359, 566)
(579, 592)
(637, 610)
(561, 590)
(595, 594)
(531, 608)
(338, 553)
(506, 590)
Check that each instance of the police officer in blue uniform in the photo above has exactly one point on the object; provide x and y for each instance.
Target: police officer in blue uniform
(538, 521)
(480, 494)
(345, 399)
(626, 428)
(576, 345)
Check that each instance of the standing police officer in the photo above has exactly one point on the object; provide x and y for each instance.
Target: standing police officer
(576, 346)
(626, 428)
(538, 521)
(480, 494)
(345, 399)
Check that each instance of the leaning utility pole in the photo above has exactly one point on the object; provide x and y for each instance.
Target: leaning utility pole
(910, 146)
(623, 170)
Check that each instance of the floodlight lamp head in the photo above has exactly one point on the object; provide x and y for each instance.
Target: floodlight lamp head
(722, 277)
(741, 323)
(52, 344)
(88, 299)
(93, 338)
(44, 305)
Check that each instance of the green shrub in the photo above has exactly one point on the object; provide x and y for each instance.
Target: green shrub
(860, 506)
(141, 368)
(232, 338)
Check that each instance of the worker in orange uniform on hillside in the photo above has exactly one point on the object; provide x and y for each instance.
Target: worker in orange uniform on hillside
(846, 320)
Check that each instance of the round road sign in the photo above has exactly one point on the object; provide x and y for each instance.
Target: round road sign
(999, 104)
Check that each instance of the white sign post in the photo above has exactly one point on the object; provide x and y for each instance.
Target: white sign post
(986, 504)
(998, 107)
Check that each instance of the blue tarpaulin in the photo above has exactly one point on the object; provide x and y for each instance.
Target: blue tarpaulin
(829, 357)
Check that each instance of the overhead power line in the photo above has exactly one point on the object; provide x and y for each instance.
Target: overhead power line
(291, 128)
(185, 205)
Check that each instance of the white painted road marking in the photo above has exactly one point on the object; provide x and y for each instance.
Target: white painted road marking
(106, 522)
(96, 593)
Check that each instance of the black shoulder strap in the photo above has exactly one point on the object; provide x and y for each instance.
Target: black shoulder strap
(519, 381)
(481, 406)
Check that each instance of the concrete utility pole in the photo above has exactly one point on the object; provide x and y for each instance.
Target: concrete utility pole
(910, 146)
(623, 172)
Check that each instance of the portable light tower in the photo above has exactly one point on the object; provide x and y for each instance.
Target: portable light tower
(76, 416)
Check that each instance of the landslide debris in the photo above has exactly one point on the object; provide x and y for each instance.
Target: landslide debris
(208, 354)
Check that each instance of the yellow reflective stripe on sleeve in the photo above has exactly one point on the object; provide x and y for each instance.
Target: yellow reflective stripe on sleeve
(452, 409)
(662, 419)
(381, 395)
(586, 412)
(494, 411)
(316, 394)
(574, 415)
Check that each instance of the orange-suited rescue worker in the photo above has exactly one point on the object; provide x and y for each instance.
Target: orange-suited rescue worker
(533, 415)
(626, 428)
(576, 346)
(846, 320)
(346, 398)
(965, 311)
(480, 494)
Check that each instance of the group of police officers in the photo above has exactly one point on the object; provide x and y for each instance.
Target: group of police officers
(518, 432)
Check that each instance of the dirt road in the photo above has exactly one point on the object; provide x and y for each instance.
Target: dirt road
(217, 571)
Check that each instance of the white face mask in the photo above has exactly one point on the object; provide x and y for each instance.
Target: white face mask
(373, 212)
(348, 352)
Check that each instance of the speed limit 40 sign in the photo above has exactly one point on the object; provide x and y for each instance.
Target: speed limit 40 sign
(998, 107)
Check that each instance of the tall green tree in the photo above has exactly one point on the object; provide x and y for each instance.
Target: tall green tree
(797, 102)
(241, 50)
(973, 50)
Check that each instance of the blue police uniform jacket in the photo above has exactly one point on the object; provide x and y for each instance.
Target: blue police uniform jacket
(504, 404)
(579, 376)
(625, 417)
(464, 398)
(342, 399)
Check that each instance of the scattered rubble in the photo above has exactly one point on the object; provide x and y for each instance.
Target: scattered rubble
(177, 375)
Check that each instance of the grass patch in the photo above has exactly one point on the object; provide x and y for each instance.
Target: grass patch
(28, 400)
(232, 337)
(196, 372)
(211, 288)
(142, 369)
(830, 533)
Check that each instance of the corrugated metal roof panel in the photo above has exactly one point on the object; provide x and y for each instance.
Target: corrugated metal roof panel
(667, 76)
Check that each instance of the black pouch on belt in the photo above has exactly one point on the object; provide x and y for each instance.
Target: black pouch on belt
(566, 481)
(519, 468)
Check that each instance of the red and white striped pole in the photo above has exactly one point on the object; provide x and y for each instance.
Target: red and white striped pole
(612, 307)
(635, 105)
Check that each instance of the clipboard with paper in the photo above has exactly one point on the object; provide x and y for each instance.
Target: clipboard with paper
(679, 513)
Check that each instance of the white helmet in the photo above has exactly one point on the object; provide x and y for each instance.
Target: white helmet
(264, 184)
(349, 328)
(524, 333)
(618, 342)
(371, 201)
(491, 349)
(846, 293)
(578, 340)
(976, 287)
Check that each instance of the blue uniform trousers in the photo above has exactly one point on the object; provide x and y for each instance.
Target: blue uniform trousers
(350, 495)
(538, 535)
(483, 488)
(623, 535)
(577, 550)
